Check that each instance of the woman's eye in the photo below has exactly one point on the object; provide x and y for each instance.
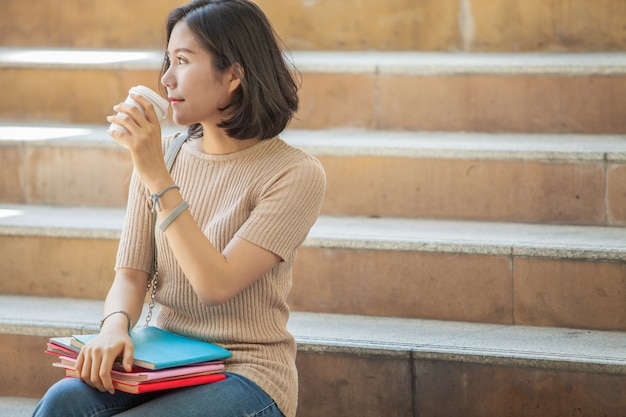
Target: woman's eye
(180, 60)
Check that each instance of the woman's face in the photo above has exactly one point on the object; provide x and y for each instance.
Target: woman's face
(195, 89)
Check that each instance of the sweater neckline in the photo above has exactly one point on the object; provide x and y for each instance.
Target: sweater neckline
(251, 150)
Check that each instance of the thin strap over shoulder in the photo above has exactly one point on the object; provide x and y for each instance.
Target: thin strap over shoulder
(172, 150)
(170, 157)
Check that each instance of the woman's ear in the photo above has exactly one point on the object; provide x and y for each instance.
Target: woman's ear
(235, 75)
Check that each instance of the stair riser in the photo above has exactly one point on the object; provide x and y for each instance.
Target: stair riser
(569, 293)
(11, 174)
(460, 389)
(466, 102)
(366, 24)
(503, 103)
(539, 25)
(111, 24)
(34, 374)
(493, 190)
(66, 175)
(451, 25)
(335, 385)
(338, 385)
(477, 25)
(57, 267)
(616, 181)
(473, 288)
(585, 192)
(68, 95)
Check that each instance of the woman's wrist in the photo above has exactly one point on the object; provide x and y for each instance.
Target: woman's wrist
(156, 197)
(156, 186)
(173, 215)
(117, 319)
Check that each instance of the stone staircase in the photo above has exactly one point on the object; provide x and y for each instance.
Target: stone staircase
(470, 259)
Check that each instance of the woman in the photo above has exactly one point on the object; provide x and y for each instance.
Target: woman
(236, 205)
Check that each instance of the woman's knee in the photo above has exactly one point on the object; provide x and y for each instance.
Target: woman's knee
(70, 397)
(58, 398)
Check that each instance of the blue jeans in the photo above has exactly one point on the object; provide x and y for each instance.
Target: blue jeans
(235, 396)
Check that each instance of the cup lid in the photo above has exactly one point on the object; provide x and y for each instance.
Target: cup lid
(153, 96)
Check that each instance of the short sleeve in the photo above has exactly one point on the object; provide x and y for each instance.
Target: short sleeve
(288, 208)
(135, 247)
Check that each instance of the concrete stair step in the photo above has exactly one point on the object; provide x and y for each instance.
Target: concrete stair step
(541, 93)
(479, 25)
(404, 365)
(64, 164)
(546, 275)
(528, 178)
(17, 406)
(531, 178)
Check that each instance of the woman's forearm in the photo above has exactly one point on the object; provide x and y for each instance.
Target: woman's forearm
(215, 276)
(127, 293)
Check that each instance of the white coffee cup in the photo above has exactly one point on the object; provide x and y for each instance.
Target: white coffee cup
(160, 104)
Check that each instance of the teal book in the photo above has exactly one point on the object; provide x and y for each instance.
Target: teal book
(159, 349)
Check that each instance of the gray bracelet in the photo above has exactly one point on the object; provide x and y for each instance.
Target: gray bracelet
(173, 215)
(156, 204)
(124, 312)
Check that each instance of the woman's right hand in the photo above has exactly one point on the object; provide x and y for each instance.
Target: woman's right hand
(96, 359)
(142, 138)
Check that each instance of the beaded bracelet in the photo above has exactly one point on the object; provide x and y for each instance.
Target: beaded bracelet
(156, 204)
(130, 321)
(173, 215)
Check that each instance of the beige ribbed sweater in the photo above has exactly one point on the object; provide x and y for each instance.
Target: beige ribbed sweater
(269, 194)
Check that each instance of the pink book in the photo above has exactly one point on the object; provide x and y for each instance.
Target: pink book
(203, 368)
(149, 386)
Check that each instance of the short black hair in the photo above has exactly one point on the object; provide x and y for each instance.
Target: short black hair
(238, 32)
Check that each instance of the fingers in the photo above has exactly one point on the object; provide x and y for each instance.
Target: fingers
(94, 366)
(127, 116)
(127, 358)
(90, 372)
(83, 367)
(85, 372)
(104, 375)
(134, 120)
(80, 360)
(130, 113)
(148, 107)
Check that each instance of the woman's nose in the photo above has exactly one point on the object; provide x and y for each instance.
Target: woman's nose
(166, 79)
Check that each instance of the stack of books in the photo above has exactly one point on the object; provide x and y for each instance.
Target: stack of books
(162, 360)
